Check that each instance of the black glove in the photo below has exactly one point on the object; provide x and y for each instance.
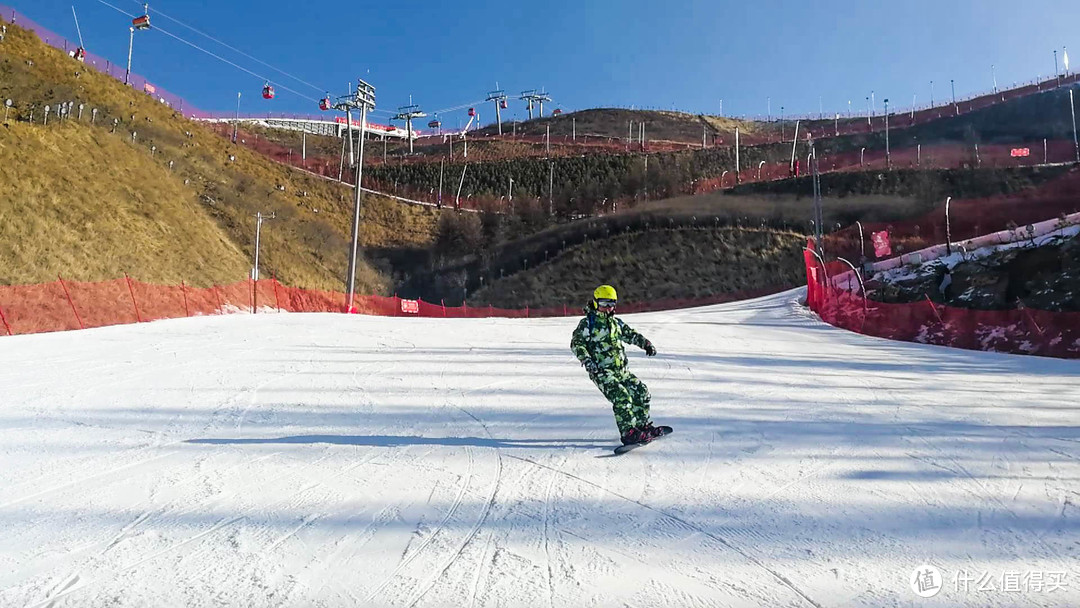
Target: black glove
(591, 367)
(650, 349)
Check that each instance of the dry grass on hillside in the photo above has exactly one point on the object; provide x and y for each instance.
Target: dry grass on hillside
(134, 217)
(790, 209)
(202, 209)
(656, 265)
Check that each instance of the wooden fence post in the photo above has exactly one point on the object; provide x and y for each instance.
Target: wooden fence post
(131, 290)
(70, 301)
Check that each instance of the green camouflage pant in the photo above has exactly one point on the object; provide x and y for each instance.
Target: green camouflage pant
(629, 398)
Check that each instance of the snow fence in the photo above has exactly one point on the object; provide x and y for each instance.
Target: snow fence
(64, 305)
(1022, 330)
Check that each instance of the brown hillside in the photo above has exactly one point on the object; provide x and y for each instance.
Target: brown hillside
(87, 201)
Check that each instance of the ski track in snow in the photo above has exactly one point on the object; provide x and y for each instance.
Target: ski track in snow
(333, 460)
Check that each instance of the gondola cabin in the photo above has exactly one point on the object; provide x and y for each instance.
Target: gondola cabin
(434, 124)
(141, 23)
(503, 104)
(472, 111)
(325, 104)
(556, 112)
(268, 92)
(80, 54)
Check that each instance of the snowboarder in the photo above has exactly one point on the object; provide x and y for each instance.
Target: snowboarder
(597, 343)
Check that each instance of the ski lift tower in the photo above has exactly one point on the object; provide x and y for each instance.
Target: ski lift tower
(408, 113)
(532, 96)
(363, 100)
(499, 97)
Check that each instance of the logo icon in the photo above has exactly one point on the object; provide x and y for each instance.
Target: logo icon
(926, 581)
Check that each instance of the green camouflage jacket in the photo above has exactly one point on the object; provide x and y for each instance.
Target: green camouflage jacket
(599, 338)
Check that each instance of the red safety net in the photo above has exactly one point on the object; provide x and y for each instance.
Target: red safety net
(63, 304)
(1021, 330)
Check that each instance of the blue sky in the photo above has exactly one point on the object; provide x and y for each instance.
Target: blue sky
(681, 54)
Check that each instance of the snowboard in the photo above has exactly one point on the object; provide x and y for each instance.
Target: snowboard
(622, 449)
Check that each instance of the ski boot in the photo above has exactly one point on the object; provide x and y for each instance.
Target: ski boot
(652, 432)
(636, 435)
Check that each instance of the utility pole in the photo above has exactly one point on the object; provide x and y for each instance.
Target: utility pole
(457, 199)
(363, 100)
(259, 219)
(888, 159)
(408, 113)
(236, 125)
(499, 97)
(931, 93)
(1072, 110)
(736, 154)
(131, 44)
(993, 74)
(818, 214)
(794, 142)
(551, 188)
(952, 83)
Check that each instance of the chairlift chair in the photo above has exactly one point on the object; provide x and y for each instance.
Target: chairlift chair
(141, 23)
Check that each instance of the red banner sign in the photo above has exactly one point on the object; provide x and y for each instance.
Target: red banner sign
(880, 240)
(410, 307)
(1020, 152)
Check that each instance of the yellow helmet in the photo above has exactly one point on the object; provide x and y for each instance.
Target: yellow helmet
(605, 292)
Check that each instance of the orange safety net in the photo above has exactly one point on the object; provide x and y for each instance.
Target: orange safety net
(63, 304)
(1022, 331)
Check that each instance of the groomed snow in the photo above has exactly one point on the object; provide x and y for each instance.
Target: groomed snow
(333, 460)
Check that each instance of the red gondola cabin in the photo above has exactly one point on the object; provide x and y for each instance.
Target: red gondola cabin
(472, 111)
(325, 105)
(141, 23)
(268, 91)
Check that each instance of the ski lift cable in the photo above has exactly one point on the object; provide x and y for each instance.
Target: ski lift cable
(461, 107)
(212, 54)
(232, 48)
(77, 28)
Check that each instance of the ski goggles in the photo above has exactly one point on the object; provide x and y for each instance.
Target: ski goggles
(606, 304)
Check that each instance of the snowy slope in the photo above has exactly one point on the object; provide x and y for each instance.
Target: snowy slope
(332, 460)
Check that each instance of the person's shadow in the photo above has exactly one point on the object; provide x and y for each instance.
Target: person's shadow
(391, 441)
